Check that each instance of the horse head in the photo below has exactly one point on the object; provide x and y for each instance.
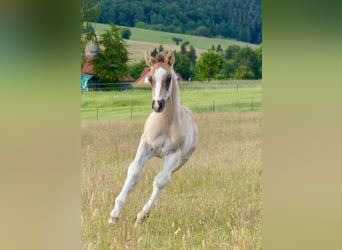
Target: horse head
(162, 77)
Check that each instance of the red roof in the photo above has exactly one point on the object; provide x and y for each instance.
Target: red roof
(179, 78)
(141, 79)
(88, 68)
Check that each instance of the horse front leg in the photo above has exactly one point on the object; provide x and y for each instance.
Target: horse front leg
(143, 154)
(171, 162)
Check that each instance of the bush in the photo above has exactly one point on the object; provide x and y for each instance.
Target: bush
(125, 33)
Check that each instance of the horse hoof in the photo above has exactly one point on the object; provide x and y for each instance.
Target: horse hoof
(140, 219)
(113, 220)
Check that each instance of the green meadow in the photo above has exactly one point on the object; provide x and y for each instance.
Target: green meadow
(215, 96)
(161, 37)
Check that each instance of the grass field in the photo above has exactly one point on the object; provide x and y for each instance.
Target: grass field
(198, 96)
(143, 39)
(213, 202)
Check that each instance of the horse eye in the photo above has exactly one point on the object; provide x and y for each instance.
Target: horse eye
(150, 79)
(168, 81)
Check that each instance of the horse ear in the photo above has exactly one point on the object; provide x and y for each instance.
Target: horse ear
(150, 61)
(170, 58)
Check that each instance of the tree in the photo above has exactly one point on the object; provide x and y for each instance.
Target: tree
(111, 63)
(126, 33)
(202, 31)
(90, 12)
(177, 40)
(237, 19)
(243, 73)
(231, 51)
(247, 64)
(228, 68)
(192, 55)
(219, 49)
(135, 70)
(160, 48)
(209, 64)
(258, 52)
(183, 65)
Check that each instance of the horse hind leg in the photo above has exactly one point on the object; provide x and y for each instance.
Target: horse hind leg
(171, 162)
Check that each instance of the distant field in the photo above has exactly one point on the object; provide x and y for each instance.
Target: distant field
(143, 39)
(218, 96)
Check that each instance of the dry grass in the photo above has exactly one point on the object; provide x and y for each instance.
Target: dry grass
(213, 202)
(136, 49)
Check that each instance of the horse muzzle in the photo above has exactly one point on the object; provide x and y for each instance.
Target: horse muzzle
(158, 106)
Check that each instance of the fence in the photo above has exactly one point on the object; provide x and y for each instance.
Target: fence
(130, 112)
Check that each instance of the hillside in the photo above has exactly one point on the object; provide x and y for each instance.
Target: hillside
(143, 39)
(237, 19)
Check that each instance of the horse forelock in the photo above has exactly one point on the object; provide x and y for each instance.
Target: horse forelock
(160, 57)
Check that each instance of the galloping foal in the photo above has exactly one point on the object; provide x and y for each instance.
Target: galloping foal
(170, 133)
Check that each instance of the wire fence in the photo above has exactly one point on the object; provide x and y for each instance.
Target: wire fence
(131, 111)
(122, 86)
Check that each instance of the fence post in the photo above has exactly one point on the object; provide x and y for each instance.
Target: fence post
(252, 105)
(131, 111)
(213, 106)
(97, 113)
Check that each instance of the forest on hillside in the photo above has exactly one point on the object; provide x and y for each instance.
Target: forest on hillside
(236, 19)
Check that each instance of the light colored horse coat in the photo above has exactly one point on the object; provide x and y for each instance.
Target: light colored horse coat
(170, 133)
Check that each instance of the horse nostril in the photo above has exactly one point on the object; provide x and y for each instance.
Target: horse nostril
(161, 104)
(158, 105)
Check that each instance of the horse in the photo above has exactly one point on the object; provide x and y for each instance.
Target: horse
(170, 133)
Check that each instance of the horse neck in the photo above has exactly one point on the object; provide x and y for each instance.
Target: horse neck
(173, 103)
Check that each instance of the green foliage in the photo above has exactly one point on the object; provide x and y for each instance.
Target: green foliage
(238, 19)
(90, 12)
(248, 64)
(134, 70)
(243, 73)
(202, 31)
(209, 63)
(192, 55)
(234, 63)
(258, 53)
(228, 69)
(110, 63)
(231, 51)
(125, 33)
(183, 65)
(160, 48)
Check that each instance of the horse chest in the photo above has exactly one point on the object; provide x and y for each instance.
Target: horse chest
(163, 142)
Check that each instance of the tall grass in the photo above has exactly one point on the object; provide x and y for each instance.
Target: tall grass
(213, 202)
